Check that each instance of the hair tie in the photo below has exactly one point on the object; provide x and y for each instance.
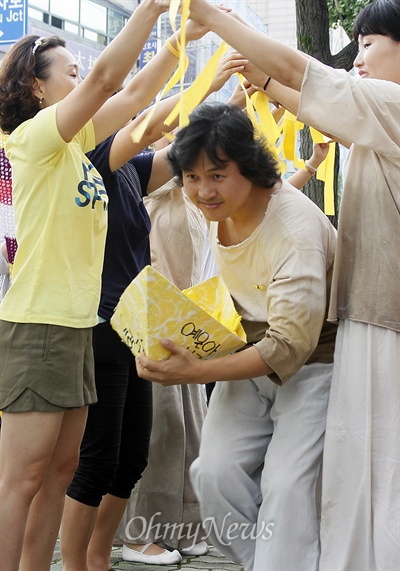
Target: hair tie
(37, 43)
(171, 48)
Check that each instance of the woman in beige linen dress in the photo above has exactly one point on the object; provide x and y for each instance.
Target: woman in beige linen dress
(163, 508)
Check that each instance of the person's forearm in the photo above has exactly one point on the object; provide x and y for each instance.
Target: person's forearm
(287, 97)
(155, 74)
(123, 147)
(142, 89)
(118, 58)
(145, 85)
(236, 367)
(300, 178)
(277, 60)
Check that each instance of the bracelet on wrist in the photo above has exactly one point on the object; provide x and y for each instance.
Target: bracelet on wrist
(266, 83)
(312, 170)
(171, 48)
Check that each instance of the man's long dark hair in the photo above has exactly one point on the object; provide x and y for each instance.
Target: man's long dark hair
(224, 133)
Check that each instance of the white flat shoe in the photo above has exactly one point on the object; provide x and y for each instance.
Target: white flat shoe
(164, 558)
(196, 550)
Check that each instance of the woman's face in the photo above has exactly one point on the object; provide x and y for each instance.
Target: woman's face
(64, 77)
(378, 58)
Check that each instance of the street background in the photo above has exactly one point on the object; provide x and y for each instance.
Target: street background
(213, 561)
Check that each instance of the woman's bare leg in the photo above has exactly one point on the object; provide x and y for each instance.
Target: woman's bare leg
(28, 440)
(46, 510)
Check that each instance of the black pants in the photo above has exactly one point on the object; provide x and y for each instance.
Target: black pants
(115, 445)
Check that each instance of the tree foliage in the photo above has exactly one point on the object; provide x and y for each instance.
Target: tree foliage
(344, 12)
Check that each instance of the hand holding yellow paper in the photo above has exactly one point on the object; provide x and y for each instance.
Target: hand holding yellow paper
(203, 318)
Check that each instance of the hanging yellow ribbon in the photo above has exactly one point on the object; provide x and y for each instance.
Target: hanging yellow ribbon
(195, 93)
(173, 12)
(326, 172)
(290, 130)
(250, 109)
(259, 113)
(267, 124)
(179, 74)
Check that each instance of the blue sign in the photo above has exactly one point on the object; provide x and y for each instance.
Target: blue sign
(13, 20)
(148, 52)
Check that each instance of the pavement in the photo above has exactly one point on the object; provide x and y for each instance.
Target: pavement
(213, 561)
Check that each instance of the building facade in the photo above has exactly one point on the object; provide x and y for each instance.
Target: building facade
(89, 25)
(279, 17)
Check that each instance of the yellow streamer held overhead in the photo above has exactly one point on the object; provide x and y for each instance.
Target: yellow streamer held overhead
(178, 76)
(182, 42)
(268, 126)
(173, 12)
(290, 129)
(196, 92)
(258, 115)
(250, 111)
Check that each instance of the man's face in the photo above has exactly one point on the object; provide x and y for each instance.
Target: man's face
(220, 192)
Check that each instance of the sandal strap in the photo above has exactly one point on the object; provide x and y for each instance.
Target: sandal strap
(145, 547)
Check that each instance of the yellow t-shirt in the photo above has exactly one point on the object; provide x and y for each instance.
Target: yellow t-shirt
(60, 206)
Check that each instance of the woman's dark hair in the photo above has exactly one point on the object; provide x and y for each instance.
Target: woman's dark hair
(382, 17)
(224, 133)
(21, 66)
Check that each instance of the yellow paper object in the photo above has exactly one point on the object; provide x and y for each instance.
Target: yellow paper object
(203, 319)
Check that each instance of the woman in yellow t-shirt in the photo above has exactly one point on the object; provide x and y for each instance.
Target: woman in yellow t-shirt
(46, 319)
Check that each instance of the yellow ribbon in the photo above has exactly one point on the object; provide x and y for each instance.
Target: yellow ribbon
(326, 172)
(138, 131)
(267, 125)
(195, 93)
(290, 130)
(291, 127)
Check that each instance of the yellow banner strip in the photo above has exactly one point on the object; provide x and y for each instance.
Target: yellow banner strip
(178, 76)
(326, 172)
(195, 93)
